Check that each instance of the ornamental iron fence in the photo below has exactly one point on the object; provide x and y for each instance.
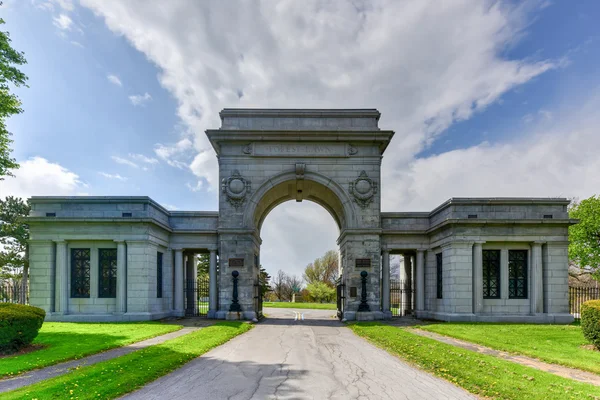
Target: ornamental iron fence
(11, 291)
(401, 298)
(196, 297)
(578, 296)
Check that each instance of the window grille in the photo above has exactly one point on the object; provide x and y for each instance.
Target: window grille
(107, 273)
(159, 274)
(439, 263)
(517, 274)
(491, 274)
(80, 273)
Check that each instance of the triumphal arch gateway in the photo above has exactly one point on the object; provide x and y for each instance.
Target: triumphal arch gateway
(470, 259)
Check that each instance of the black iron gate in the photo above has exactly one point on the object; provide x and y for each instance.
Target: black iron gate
(196, 297)
(401, 298)
(258, 300)
(340, 298)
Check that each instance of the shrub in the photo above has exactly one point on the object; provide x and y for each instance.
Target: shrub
(19, 325)
(590, 321)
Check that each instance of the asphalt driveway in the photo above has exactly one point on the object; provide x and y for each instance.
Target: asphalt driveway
(299, 354)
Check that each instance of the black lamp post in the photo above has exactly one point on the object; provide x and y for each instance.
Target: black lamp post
(235, 305)
(364, 306)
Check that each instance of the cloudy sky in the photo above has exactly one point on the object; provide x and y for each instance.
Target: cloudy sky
(487, 98)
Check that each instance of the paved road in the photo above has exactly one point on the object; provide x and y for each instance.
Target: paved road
(288, 357)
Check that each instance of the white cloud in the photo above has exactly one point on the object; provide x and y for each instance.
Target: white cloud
(124, 161)
(63, 22)
(142, 158)
(176, 155)
(170, 207)
(113, 176)
(76, 43)
(114, 80)
(40, 177)
(406, 58)
(140, 99)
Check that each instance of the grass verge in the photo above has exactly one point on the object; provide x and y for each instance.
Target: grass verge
(65, 341)
(480, 374)
(556, 344)
(121, 375)
(313, 306)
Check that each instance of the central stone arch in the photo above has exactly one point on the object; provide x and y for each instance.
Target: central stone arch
(310, 186)
(329, 157)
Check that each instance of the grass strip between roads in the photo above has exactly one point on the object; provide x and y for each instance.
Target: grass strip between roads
(556, 344)
(312, 306)
(65, 341)
(480, 374)
(121, 375)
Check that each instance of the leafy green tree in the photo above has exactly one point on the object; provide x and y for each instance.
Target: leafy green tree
(320, 292)
(9, 103)
(584, 237)
(264, 279)
(14, 234)
(203, 265)
(323, 269)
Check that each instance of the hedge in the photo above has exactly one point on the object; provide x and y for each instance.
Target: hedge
(590, 321)
(19, 325)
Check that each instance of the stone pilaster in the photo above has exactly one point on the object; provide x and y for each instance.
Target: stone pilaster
(62, 277)
(477, 277)
(420, 281)
(406, 276)
(213, 289)
(178, 290)
(537, 283)
(121, 277)
(385, 283)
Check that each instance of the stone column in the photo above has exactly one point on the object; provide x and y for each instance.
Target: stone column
(212, 281)
(537, 283)
(121, 277)
(385, 283)
(62, 277)
(407, 290)
(477, 277)
(190, 281)
(420, 281)
(178, 282)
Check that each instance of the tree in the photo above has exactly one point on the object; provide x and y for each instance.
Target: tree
(584, 237)
(203, 265)
(293, 285)
(323, 269)
(263, 279)
(9, 103)
(278, 285)
(14, 234)
(320, 292)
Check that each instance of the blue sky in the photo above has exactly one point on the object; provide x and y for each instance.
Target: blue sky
(486, 98)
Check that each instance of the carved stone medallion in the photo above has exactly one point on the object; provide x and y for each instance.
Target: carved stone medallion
(363, 189)
(235, 188)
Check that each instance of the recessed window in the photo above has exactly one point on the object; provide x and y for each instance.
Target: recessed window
(159, 274)
(517, 274)
(491, 274)
(107, 273)
(126, 215)
(50, 214)
(80, 273)
(548, 216)
(363, 263)
(472, 216)
(439, 263)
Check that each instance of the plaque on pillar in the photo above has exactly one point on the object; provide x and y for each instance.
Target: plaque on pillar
(236, 262)
(362, 263)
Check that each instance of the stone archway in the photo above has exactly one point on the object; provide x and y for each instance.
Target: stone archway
(330, 157)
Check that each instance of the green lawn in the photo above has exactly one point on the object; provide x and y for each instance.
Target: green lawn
(314, 306)
(69, 340)
(557, 344)
(116, 377)
(481, 374)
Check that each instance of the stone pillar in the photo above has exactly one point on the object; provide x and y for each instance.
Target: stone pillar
(213, 289)
(385, 283)
(537, 282)
(121, 277)
(420, 281)
(190, 281)
(178, 282)
(406, 274)
(477, 277)
(62, 277)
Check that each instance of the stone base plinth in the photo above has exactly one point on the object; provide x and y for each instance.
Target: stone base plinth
(363, 315)
(233, 316)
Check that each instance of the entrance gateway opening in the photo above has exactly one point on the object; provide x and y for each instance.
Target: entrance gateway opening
(329, 157)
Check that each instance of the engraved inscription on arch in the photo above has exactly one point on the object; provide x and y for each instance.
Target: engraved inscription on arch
(262, 149)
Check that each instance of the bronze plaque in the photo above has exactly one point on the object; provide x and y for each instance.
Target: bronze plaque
(353, 291)
(363, 263)
(236, 262)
